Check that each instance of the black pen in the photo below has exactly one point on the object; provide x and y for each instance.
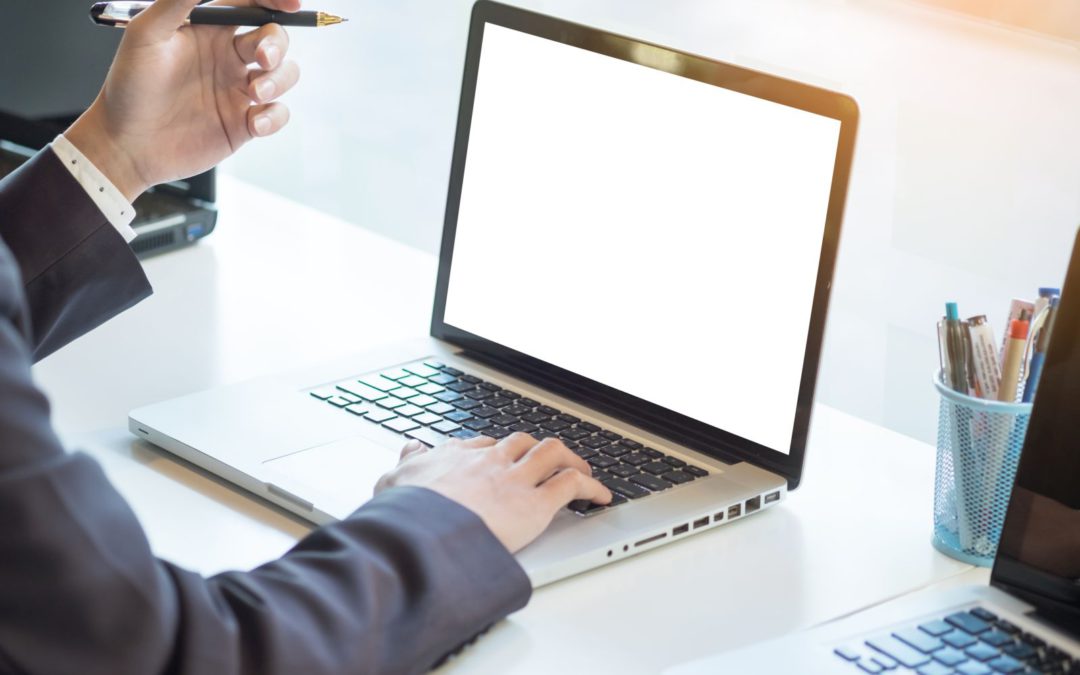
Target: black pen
(118, 14)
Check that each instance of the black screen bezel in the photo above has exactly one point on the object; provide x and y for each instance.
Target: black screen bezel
(655, 419)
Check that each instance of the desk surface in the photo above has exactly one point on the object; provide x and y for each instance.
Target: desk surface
(280, 285)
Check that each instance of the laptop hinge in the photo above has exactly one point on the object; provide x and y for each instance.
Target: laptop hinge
(604, 405)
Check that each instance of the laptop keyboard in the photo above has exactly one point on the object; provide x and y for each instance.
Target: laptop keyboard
(432, 402)
(975, 642)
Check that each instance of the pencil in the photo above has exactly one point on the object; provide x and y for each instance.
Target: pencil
(118, 14)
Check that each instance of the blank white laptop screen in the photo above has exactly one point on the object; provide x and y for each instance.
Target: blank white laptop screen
(653, 233)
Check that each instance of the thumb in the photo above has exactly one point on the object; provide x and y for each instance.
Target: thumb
(161, 19)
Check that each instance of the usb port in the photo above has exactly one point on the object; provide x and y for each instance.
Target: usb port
(772, 497)
(717, 517)
(681, 529)
(753, 504)
(734, 511)
(701, 522)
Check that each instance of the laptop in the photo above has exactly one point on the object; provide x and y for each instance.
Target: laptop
(636, 258)
(1028, 619)
(54, 83)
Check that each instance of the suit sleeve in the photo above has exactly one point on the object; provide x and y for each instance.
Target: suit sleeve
(406, 580)
(76, 269)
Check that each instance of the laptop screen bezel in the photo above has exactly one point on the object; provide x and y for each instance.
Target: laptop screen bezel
(663, 422)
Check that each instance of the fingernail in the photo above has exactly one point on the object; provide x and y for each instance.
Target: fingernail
(272, 53)
(412, 446)
(264, 89)
(262, 125)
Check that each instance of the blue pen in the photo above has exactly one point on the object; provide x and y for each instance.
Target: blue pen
(1039, 355)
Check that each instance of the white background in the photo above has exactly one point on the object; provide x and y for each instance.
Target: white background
(965, 182)
(647, 231)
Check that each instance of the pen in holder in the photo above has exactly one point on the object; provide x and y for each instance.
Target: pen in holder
(978, 449)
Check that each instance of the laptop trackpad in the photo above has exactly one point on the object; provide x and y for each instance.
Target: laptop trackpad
(337, 477)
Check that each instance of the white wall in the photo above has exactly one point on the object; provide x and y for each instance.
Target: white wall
(966, 182)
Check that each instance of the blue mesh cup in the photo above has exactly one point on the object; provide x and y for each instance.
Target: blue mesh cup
(978, 449)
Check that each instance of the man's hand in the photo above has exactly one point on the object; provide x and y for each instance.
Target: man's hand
(516, 486)
(179, 99)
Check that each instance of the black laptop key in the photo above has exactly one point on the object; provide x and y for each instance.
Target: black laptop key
(625, 488)
(548, 410)
(589, 426)
(623, 470)
(510, 394)
(498, 401)
(633, 445)
(535, 417)
(449, 396)
(458, 416)
(968, 622)
(467, 404)
(653, 453)
(505, 420)
(585, 453)
(491, 386)
(529, 402)
(485, 412)
(996, 638)
(465, 434)
(476, 424)
(984, 614)
(584, 506)
(470, 378)
(452, 371)
(675, 462)
(524, 427)
(574, 434)
(695, 471)
(1019, 650)
(554, 425)
(1007, 627)
(541, 434)
(595, 442)
(460, 387)
(610, 435)
(613, 450)
(636, 458)
(479, 394)
(569, 419)
(678, 477)
(443, 378)
(497, 432)
(655, 468)
(570, 444)
(518, 410)
(652, 482)
(602, 462)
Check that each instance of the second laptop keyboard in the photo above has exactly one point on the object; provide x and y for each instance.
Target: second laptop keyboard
(432, 403)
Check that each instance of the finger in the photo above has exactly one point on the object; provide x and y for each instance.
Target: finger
(569, 484)
(412, 448)
(264, 87)
(161, 19)
(514, 446)
(265, 46)
(548, 457)
(265, 120)
(474, 443)
(280, 5)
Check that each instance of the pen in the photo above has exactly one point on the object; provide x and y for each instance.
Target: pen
(1039, 355)
(955, 349)
(1015, 344)
(118, 14)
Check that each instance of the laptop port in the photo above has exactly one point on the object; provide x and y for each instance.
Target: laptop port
(734, 511)
(753, 504)
(656, 537)
(701, 522)
(681, 529)
(772, 497)
(718, 517)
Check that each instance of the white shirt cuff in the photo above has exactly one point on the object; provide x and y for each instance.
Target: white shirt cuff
(106, 197)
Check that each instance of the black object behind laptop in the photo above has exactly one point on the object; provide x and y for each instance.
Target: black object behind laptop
(54, 62)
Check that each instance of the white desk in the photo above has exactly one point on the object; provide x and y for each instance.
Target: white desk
(280, 285)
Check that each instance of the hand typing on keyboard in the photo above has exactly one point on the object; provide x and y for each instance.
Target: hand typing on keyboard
(515, 485)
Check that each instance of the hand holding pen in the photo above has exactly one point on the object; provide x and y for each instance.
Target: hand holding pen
(179, 99)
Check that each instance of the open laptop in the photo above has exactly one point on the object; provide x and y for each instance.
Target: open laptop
(1028, 619)
(62, 59)
(637, 255)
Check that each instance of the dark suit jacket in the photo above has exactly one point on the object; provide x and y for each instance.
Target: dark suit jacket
(407, 579)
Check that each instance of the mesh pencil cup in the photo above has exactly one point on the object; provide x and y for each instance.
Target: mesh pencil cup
(978, 449)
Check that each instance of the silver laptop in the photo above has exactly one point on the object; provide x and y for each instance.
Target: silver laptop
(636, 258)
(1028, 619)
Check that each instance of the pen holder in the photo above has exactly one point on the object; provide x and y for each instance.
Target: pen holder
(978, 449)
